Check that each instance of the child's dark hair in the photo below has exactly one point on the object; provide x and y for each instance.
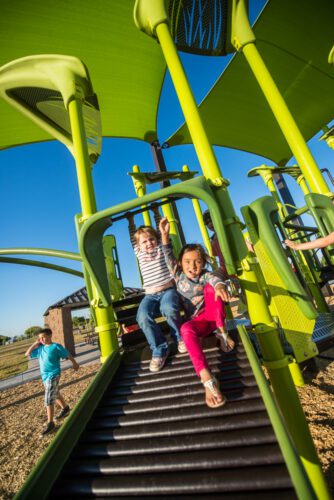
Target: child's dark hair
(46, 331)
(190, 247)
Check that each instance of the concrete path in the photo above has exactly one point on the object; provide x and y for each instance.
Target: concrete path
(85, 354)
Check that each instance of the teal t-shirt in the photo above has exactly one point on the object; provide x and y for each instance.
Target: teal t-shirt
(49, 357)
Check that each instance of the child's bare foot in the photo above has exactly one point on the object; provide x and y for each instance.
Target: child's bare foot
(226, 342)
(213, 397)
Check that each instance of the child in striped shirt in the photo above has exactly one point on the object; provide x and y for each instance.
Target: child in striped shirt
(161, 297)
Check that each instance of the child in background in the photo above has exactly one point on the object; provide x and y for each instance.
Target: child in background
(203, 296)
(49, 354)
(161, 297)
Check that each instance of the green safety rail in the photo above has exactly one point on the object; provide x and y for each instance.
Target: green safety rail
(291, 305)
(90, 237)
(298, 476)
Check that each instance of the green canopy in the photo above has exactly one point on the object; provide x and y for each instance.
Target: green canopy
(294, 39)
(126, 66)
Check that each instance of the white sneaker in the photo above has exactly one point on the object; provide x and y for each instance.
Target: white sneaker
(157, 364)
(181, 347)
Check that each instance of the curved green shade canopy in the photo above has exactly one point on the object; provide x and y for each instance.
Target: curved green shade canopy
(294, 39)
(126, 67)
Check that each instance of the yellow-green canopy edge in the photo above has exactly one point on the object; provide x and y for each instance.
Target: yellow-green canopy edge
(294, 39)
(126, 66)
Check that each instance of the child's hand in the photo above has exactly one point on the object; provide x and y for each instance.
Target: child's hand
(164, 226)
(290, 244)
(222, 293)
(129, 216)
(76, 366)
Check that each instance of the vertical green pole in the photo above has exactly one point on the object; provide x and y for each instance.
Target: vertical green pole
(260, 316)
(140, 189)
(105, 317)
(174, 233)
(199, 217)
(285, 120)
(303, 184)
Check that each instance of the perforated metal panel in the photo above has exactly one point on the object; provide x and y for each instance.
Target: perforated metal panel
(200, 26)
(49, 105)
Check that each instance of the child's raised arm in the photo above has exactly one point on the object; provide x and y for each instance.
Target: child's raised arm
(132, 227)
(32, 348)
(164, 228)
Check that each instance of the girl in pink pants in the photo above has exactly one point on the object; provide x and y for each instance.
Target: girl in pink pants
(203, 296)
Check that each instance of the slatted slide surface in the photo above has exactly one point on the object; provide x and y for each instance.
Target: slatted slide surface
(153, 436)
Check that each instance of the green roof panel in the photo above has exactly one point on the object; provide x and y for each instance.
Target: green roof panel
(126, 67)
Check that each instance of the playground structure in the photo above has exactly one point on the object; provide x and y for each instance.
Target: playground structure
(56, 93)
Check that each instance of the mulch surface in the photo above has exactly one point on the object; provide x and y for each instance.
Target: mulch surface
(23, 416)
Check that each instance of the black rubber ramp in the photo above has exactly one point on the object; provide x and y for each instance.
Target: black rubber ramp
(153, 436)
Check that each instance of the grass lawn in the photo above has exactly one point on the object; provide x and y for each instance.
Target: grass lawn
(12, 358)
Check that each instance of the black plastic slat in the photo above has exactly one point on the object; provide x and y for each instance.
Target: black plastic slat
(240, 437)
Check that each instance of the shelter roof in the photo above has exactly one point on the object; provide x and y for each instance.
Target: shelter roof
(294, 39)
(126, 67)
(79, 299)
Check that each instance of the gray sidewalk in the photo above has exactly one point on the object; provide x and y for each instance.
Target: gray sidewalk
(85, 354)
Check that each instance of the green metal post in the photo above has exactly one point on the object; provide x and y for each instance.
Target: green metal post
(105, 317)
(199, 217)
(140, 189)
(258, 309)
(303, 184)
(285, 120)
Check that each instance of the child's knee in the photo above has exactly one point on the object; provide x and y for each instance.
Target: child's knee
(186, 330)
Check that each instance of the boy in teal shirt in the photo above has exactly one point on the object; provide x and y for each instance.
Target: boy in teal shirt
(49, 355)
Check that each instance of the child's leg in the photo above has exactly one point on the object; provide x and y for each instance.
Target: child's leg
(147, 312)
(170, 308)
(50, 411)
(215, 311)
(51, 395)
(192, 332)
(61, 401)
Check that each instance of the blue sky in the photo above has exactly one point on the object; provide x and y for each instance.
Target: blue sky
(39, 199)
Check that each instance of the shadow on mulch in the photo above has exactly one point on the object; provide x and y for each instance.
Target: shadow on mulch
(41, 393)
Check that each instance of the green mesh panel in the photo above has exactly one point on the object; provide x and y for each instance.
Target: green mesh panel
(199, 26)
(289, 302)
(49, 105)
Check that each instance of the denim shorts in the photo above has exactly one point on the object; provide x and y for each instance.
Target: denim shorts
(51, 390)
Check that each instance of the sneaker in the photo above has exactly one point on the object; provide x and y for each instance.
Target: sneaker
(181, 347)
(49, 428)
(63, 412)
(157, 364)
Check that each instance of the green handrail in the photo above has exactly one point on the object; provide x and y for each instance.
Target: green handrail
(50, 252)
(296, 470)
(90, 237)
(37, 263)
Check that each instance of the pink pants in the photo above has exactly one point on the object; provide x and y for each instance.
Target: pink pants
(211, 317)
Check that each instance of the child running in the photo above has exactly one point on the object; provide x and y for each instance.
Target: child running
(203, 296)
(49, 355)
(161, 297)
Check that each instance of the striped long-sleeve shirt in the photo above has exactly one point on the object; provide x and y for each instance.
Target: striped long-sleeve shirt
(153, 268)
